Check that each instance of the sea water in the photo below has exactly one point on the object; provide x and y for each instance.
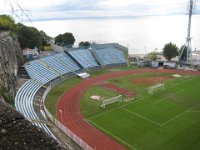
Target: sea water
(139, 34)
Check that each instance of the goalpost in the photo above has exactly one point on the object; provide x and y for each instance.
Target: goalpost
(111, 100)
(156, 87)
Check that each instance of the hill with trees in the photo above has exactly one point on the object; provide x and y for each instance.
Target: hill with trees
(28, 37)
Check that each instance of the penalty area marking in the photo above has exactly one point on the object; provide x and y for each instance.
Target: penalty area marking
(161, 99)
(111, 110)
(188, 110)
(133, 113)
(113, 135)
(162, 124)
(141, 97)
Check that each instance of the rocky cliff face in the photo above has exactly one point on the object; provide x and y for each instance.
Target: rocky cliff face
(10, 59)
(16, 133)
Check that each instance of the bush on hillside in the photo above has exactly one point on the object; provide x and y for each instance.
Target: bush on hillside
(6, 23)
(29, 37)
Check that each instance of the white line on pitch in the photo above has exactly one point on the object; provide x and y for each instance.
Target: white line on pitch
(154, 122)
(161, 99)
(188, 110)
(114, 136)
(195, 111)
(111, 110)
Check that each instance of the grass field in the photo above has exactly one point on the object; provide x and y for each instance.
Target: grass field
(54, 95)
(167, 120)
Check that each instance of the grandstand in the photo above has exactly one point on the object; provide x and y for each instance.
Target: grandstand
(41, 72)
(53, 63)
(47, 70)
(84, 58)
(67, 62)
(110, 54)
(24, 103)
(51, 67)
(38, 72)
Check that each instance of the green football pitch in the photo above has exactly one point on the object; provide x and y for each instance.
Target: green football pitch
(167, 120)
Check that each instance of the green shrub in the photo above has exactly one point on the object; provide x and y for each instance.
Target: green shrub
(6, 23)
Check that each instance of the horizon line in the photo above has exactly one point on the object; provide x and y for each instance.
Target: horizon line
(101, 17)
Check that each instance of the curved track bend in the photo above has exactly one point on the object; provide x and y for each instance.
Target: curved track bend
(72, 118)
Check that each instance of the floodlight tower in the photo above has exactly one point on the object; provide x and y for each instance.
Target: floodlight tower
(188, 38)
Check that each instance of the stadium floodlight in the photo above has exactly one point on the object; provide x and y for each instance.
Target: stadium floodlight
(111, 100)
(188, 44)
(156, 87)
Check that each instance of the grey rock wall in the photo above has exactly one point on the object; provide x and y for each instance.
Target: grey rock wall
(11, 58)
(16, 133)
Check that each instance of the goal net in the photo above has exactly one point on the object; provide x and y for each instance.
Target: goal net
(111, 100)
(159, 86)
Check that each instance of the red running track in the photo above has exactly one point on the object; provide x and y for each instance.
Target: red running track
(74, 120)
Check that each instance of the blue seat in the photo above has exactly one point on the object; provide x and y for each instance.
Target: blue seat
(68, 62)
(39, 72)
(24, 103)
(84, 57)
(110, 56)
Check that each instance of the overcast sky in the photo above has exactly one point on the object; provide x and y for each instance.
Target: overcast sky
(66, 9)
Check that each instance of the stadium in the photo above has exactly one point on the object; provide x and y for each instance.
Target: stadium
(101, 102)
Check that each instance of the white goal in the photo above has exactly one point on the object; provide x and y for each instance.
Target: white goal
(156, 87)
(111, 100)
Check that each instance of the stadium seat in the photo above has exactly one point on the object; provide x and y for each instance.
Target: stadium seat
(84, 57)
(24, 103)
(110, 56)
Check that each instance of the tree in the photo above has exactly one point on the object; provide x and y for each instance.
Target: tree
(170, 51)
(66, 39)
(29, 37)
(153, 56)
(6, 23)
(45, 38)
(85, 44)
(184, 53)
